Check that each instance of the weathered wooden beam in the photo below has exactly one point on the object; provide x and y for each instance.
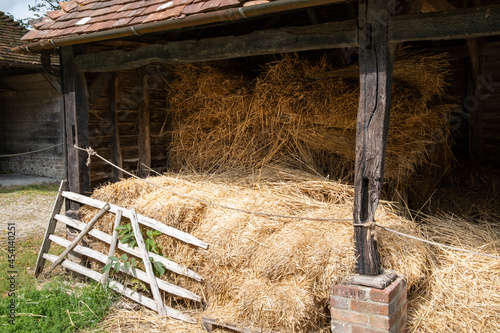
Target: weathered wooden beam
(143, 124)
(323, 36)
(76, 119)
(82, 234)
(54, 81)
(99, 86)
(116, 152)
(51, 227)
(474, 101)
(376, 64)
(452, 24)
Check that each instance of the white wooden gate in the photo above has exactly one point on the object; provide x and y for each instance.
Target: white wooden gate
(140, 252)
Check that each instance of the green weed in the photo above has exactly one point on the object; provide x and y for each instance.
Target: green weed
(58, 306)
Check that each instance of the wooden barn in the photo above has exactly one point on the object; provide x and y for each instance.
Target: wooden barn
(30, 110)
(122, 60)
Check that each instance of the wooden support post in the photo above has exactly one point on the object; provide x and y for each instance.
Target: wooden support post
(143, 123)
(112, 246)
(116, 153)
(79, 237)
(134, 220)
(474, 99)
(76, 119)
(376, 63)
(99, 86)
(51, 227)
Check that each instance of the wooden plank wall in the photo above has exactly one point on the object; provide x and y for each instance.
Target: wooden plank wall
(457, 93)
(129, 96)
(491, 111)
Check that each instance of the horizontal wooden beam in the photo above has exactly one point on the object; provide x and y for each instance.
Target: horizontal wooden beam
(328, 35)
(452, 24)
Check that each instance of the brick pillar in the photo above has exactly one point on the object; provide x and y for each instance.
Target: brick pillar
(357, 309)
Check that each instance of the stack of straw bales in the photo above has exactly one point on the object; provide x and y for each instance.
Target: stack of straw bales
(302, 115)
(275, 274)
(265, 272)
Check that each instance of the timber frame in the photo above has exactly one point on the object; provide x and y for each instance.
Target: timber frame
(376, 32)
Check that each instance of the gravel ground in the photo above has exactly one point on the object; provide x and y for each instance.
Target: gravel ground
(29, 212)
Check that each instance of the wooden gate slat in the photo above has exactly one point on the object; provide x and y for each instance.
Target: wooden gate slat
(113, 244)
(121, 289)
(82, 234)
(147, 264)
(51, 227)
(140, 274)
(149, 222)
(169, 264)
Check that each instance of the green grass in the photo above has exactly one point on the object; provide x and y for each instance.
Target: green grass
(58, 306)
(26, 253)
(35, 189)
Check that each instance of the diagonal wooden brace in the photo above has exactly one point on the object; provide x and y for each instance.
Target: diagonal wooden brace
(79, 237)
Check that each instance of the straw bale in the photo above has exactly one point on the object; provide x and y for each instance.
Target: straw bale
(462, 292)
(264, 272)
(303, 115)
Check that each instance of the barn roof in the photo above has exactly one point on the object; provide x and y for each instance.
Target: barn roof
(85, 21)
(77, 17)
(10, 35)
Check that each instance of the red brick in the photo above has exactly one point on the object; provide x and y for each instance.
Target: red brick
(349, 316)
(371, 307)
(339, 327)
(388, 293)
(385, 322)
(353, 292)
(337, 302)
(400, 325)
(379, 322)
(364, 329)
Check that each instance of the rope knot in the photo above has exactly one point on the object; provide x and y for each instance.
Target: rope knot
(372, 232)
(89, 151)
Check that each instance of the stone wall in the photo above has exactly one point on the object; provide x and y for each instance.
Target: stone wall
(30, 120)
(34, 165)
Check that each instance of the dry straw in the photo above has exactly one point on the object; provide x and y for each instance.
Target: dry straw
(267, 273)
(265, 142)
(302, 115)
(462, 291)
(275, 274)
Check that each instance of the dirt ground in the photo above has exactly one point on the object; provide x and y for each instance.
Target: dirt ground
(29, 212)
